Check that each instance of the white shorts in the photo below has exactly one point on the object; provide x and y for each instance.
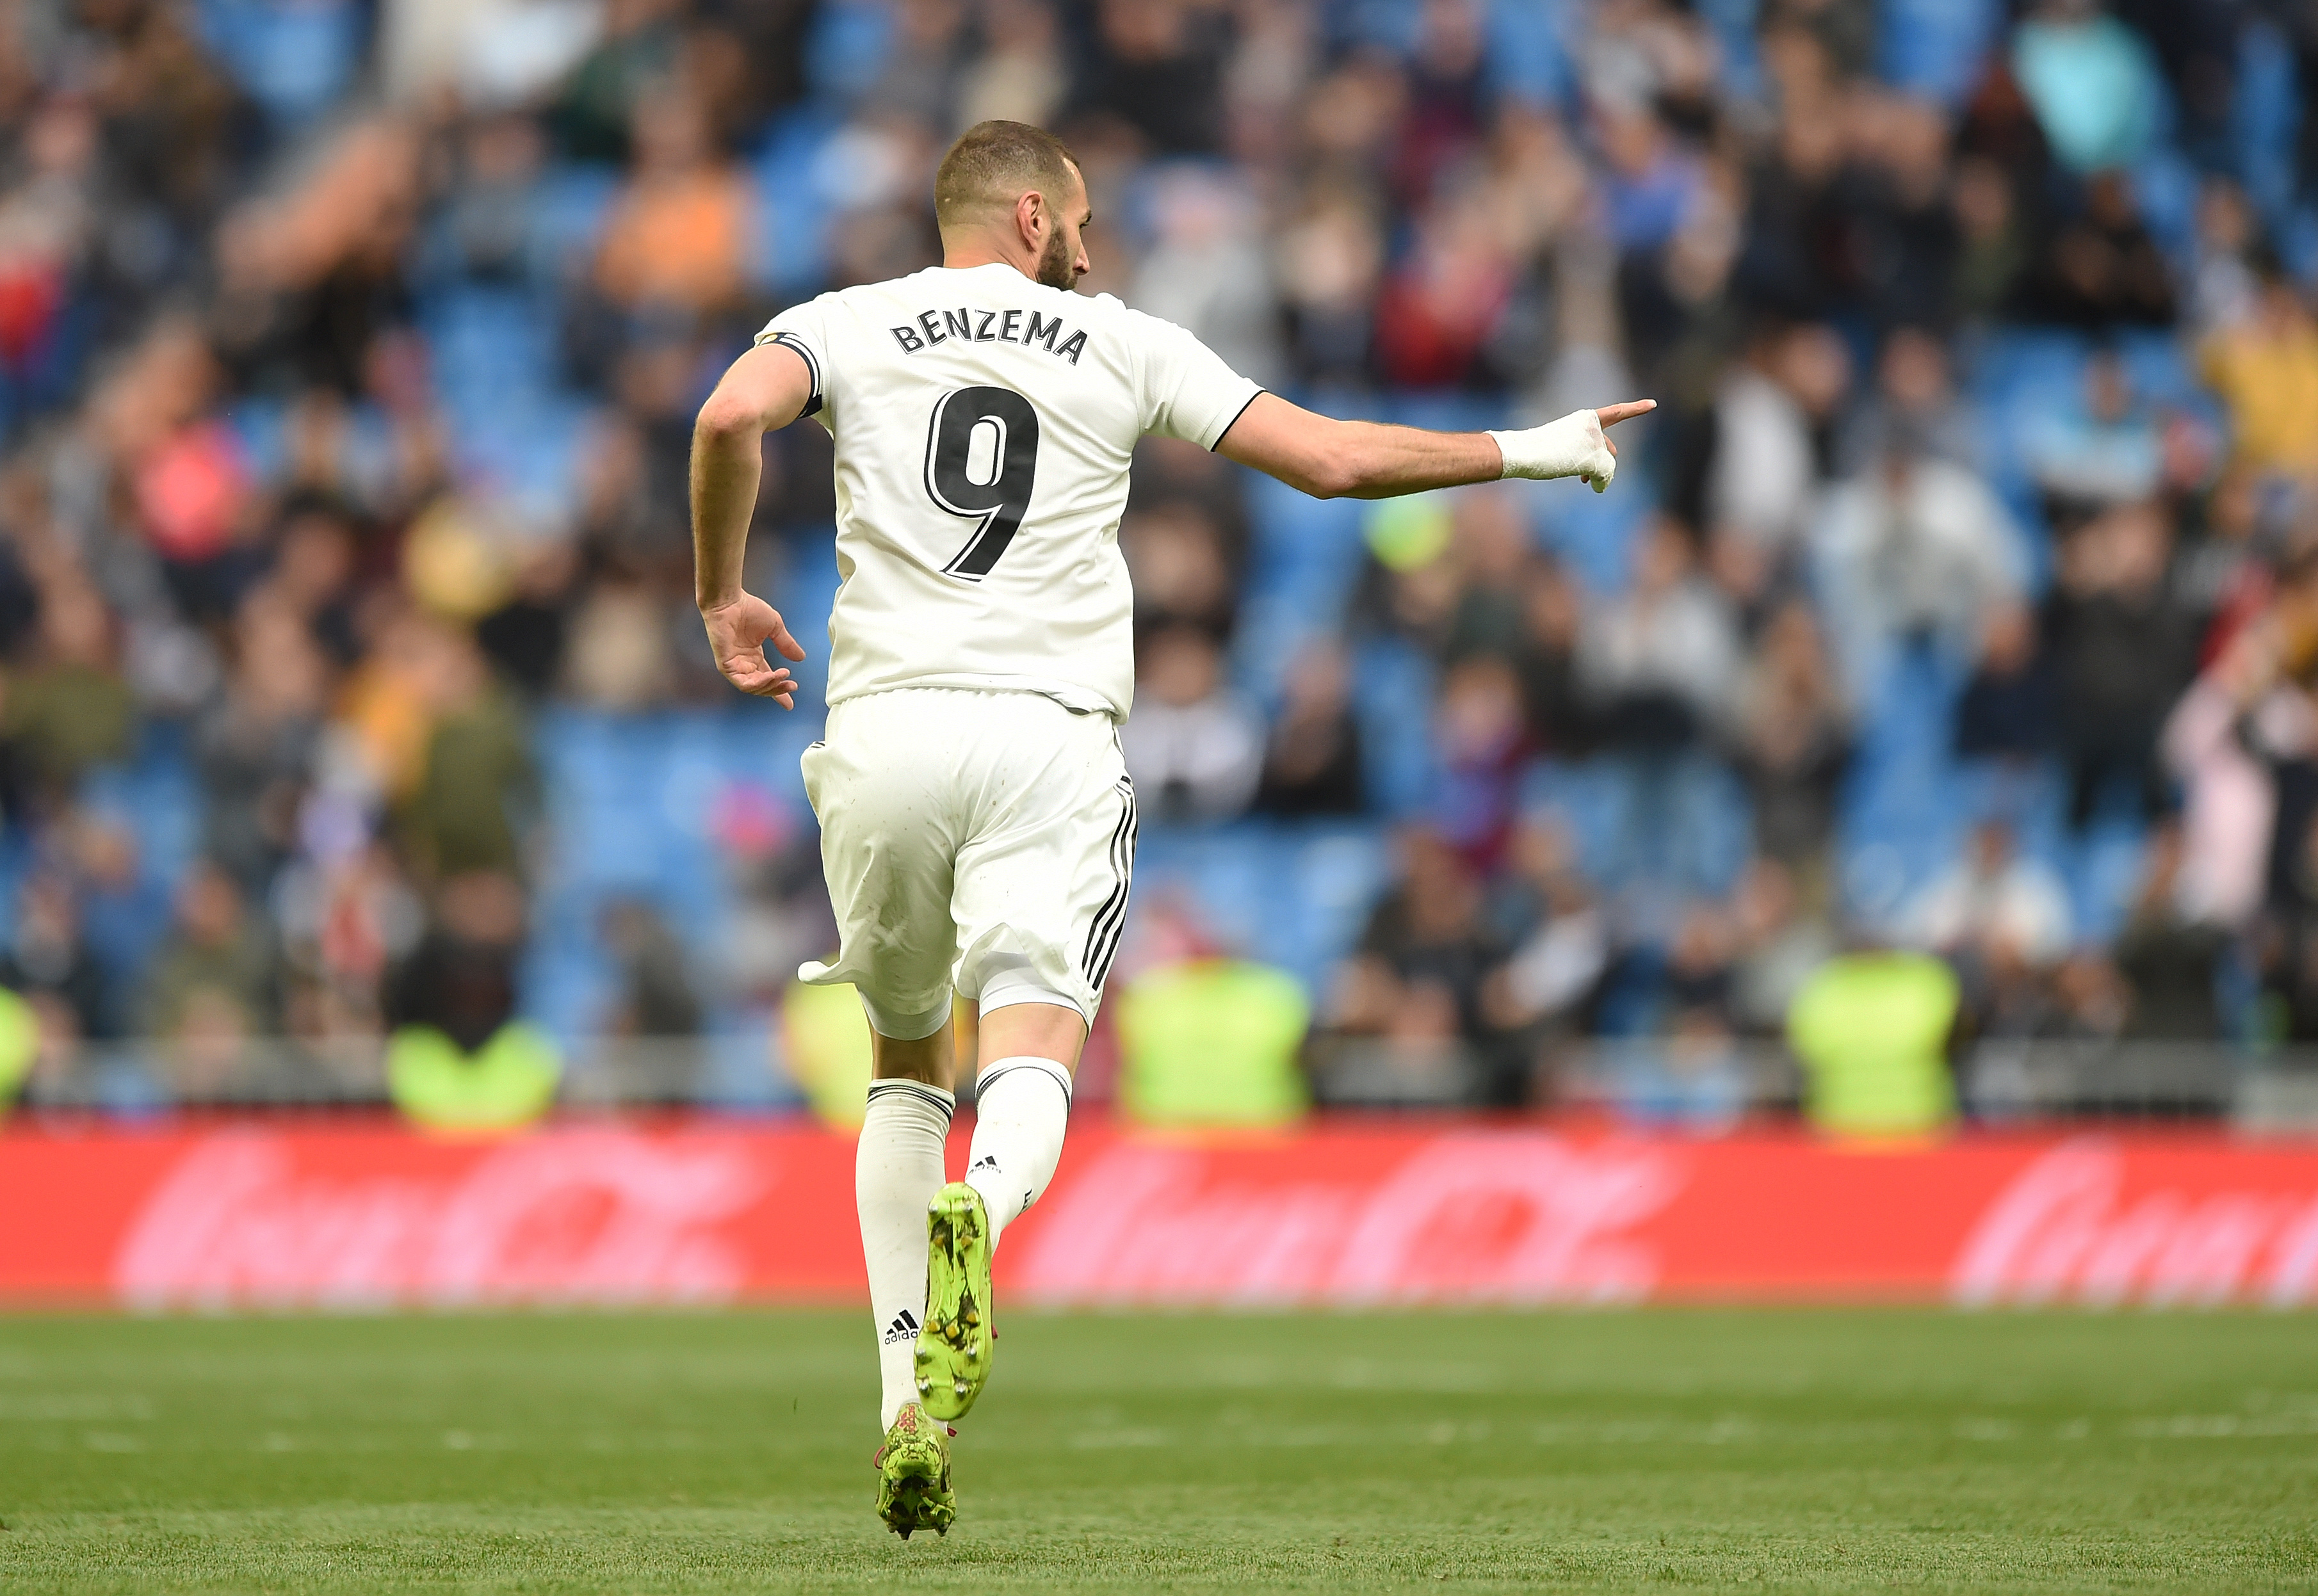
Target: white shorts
(975, 841)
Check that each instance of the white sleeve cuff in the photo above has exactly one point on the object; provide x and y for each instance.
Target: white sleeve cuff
(1572, 446)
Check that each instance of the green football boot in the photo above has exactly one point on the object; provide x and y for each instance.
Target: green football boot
(953, 1358)
(914, 1475)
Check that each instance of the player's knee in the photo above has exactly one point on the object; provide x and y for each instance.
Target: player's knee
(1042, 1026)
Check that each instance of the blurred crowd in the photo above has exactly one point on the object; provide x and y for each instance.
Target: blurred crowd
(1961, 597)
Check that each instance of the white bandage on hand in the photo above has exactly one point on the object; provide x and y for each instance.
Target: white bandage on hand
(1572, 446)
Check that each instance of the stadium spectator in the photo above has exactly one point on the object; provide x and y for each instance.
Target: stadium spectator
(459, 977)
(1482, 743)
(1158, 69)
(591, 116)
(50, 963)
(1207, 271)
(1794, 741)
(2169, 956)
(2228, 800)
(2265, 369)
(1561, 946)
(1690, 1075)
(212, 984)
(1490, 548)
(656, 997)
(1912, 551)
(1196, 752)
(2123, 648)
(71, 709)
(1313, 763)
(2093, 82)
(1446, 318)
(2108, 452)
(1915, 389)
(1763, 481)
(1417, 973)
(1553, 695)
(2102, 268)
(1992, 252)
(343, 452)
(256, 744)
(1331, 256)
(1782, 937)
(1020, 76)
(2285, 947)
(473, 792)
(1660, 667)
(677, 238)
(1182, 569)
(2223, 290)
(2008, 710)
(2003, 921)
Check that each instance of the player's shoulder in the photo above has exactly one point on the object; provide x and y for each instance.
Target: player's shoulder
(875, 297)
(1110, 309)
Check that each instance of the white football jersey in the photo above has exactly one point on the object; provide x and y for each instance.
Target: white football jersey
(983, 424)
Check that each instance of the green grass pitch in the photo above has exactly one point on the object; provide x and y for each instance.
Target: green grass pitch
(1624, 1451)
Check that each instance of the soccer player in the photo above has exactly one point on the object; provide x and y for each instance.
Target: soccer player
(977, 821)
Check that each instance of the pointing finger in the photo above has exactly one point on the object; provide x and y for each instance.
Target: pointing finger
(1611, 415)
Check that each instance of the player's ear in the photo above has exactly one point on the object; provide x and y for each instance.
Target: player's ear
(1030, 219)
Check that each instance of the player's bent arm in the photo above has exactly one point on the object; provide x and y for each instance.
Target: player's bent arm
(1331, 459)
(767, 388)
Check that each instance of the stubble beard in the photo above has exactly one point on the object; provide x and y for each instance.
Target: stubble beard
(1055, 267)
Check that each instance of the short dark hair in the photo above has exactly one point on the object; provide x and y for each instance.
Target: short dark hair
(994, 163)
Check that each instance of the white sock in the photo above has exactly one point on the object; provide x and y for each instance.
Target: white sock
(896, 1169)
(1021, 1107)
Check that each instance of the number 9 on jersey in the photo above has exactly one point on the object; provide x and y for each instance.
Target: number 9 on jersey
(982, 452)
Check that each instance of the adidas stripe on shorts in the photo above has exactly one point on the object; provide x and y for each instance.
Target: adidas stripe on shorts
(974, 839)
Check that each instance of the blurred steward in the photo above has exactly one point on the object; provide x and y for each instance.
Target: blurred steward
(1871, 1028)
(458, 1057)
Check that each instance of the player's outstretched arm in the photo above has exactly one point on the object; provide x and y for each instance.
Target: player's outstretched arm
(1331, 459)
(767, 388)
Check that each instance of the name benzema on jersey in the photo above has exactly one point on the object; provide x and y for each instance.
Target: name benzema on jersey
(1015, 326)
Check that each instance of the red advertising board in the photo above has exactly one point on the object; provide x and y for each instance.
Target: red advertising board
(274, 1214)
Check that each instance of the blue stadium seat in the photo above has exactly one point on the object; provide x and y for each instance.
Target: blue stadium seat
(847, 48)
(1395, 708)
(292, 57)
(156, 796)
(1335, 873)
(1528, 56)
(2266, 113)
(1938, 47)
(257, 422)
(792, 247)
(569, 206)
(1592, 533)
(1903, 810)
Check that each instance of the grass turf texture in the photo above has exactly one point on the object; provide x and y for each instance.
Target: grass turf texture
(1803, 1451)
